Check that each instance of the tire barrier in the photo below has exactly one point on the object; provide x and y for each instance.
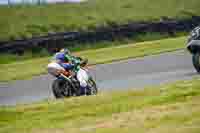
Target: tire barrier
(53, 42)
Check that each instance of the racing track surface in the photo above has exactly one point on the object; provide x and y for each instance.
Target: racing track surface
(133, 73)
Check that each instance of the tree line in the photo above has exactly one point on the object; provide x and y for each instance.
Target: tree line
(12, 2)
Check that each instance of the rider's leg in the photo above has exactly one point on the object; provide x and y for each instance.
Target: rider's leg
(82, 78)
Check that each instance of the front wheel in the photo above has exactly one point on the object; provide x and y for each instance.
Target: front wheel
(196, 61)
(92, 87)
(61, 88)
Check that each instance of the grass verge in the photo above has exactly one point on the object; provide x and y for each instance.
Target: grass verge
(173, 107)
(26, 21)
(28, 68)
(7, 58)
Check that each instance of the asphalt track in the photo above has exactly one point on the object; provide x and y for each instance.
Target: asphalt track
(129, 74)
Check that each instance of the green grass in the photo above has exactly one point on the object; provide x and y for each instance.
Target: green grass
(36, 66)
(173, 107)
(7, 58)
(27, 21)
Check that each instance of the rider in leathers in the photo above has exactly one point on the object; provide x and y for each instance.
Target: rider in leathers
(71, 63)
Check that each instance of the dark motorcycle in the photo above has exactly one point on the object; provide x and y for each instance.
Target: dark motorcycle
(193, 45)
(67, 86)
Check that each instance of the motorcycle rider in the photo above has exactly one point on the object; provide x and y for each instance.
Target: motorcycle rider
(70, 64)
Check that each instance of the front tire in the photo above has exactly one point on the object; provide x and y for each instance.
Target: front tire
(60, 88)
(92, 90)
(196, 61)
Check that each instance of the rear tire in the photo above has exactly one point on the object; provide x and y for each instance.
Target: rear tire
(196, 61)
(61, 88)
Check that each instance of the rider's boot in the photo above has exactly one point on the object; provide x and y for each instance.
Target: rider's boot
(83, 90)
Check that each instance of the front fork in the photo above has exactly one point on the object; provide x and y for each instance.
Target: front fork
(68, 79)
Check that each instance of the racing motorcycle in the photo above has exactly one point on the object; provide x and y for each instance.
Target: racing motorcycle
(68, 85)
(193, 45)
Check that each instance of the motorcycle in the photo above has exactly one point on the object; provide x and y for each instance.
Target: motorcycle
(68, 85)
(193, 46)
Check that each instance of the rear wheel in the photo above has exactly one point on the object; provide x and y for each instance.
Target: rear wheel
(61, 88)
(196, 61)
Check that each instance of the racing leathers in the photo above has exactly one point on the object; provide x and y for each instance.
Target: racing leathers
(72, 64)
